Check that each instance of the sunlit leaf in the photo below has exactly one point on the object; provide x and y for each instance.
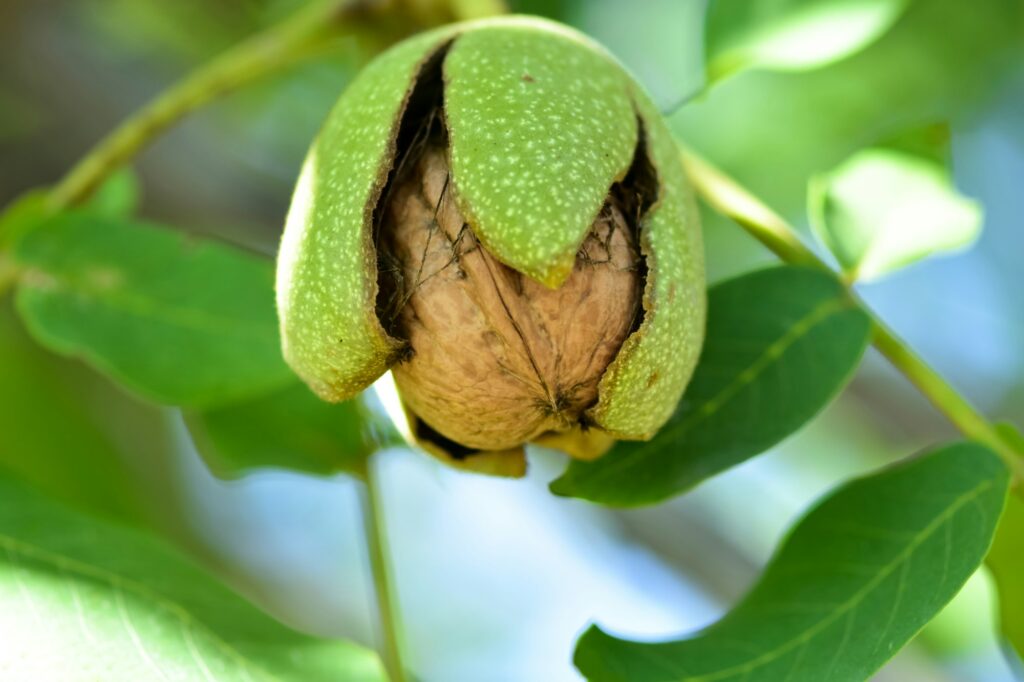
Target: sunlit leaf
(179, 320)
(856, 579)
(86, 601)
(792, 34)
(288, 429)
(780, 344)
(883, 209)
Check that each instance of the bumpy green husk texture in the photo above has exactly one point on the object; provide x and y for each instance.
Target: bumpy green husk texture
(327, 263)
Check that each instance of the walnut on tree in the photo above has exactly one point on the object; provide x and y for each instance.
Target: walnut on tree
(496, 212)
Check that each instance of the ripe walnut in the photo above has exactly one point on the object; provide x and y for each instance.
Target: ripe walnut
(496, 212)
(497, 359)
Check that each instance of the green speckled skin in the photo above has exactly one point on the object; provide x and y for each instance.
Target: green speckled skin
(641, 387)
(540, 124)
(327, 267)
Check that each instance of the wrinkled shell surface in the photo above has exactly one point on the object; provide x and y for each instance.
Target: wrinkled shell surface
(497, 358)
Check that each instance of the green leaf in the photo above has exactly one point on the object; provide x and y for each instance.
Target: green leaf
(856, 579)
(1012, 436)
(949, 54)
(179, 320)
(792, 35)
(932, 141)
(87, 460)
(118, 196)
(88, 601)
(23, 215)
(883, 209)
(780, 344)
(1006, 559)
(290, 429)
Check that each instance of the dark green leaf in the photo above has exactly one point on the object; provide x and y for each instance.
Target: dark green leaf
(290, 428)
(780, 344)
(792, 34)
(858, 577)
(70, 433)
(88, 601)
(179, 320)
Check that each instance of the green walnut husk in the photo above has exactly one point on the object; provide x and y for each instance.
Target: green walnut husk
(497, 212)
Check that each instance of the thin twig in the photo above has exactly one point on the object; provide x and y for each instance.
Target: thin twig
(377, 549)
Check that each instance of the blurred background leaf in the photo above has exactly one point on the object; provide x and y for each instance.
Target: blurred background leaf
(84, 600)
(289, 429)
(1006, 561)
(792, 34)
(850, 586)
(660, 41)
(66, 432)
(930, 141)
(780, 344)
(22, 215)
(882, 210)
(772, 131)
(119, 196)
(179, 320)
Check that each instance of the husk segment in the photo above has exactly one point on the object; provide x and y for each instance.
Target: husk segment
(540, 125)
(642, 386)
(327, 264)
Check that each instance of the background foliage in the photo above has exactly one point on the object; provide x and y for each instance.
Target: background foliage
(493, 576)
